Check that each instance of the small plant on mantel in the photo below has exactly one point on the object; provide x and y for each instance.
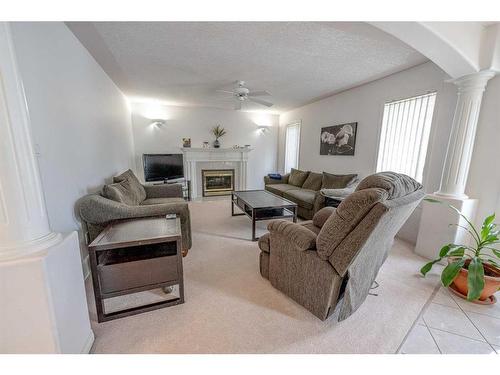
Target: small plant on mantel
(473, 270)
(218, 132)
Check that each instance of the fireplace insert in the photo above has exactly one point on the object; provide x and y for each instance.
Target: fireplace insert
(217, 182)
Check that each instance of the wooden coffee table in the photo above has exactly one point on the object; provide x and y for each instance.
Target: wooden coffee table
(261, 205)
(133, 256)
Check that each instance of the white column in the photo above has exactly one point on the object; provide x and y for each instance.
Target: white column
(435, 230)
(463, 133)
(194, 180)
(244, 164)
(24, 225)
(44, 308)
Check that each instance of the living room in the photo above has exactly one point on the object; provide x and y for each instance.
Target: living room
(249, 187)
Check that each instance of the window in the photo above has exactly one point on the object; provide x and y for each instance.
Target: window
(406, 127)
(292, 142)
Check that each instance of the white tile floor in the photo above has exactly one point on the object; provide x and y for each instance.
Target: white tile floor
(452, 325)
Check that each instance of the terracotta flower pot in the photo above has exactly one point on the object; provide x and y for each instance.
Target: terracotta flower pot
(491, 283)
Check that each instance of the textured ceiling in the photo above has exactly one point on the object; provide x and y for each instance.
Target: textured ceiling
(184, 63)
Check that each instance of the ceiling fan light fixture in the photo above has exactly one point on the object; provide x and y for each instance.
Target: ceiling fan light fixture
(242, 93)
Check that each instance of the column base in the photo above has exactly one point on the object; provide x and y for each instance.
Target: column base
(44, 306)
(29, 247)
(435, 230)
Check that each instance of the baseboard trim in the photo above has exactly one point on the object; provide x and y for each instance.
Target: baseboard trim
(88, 343)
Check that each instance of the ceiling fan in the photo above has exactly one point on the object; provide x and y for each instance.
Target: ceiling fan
(242, 93)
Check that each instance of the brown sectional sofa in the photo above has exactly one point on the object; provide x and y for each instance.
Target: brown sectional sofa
(304, 188)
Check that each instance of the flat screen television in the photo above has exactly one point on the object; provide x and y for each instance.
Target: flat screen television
(160, 167)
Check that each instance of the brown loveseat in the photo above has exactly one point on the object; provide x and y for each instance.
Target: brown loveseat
(127, 198)
(329, 264)
(303, 188)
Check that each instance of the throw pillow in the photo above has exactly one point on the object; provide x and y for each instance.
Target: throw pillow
(297, 177)
(120, 192)
(337, 181)
(135, 184)
(313, 181)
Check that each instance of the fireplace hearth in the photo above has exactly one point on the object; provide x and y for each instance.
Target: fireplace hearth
(217, 182)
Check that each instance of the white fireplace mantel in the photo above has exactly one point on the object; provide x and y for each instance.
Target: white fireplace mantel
(194, 156)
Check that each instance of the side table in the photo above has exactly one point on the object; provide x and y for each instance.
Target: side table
(133, 256)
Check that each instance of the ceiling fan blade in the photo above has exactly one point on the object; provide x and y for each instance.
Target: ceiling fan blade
(258, 93)
(226, 92)
(260, 101)
(237, 105)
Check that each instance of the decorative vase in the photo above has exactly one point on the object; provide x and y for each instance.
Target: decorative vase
(491, 283)
(216, 143)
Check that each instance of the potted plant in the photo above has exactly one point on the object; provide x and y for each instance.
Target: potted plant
(473, 271)
(218, 132)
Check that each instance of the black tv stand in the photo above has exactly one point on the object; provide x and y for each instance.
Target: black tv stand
(174, 181)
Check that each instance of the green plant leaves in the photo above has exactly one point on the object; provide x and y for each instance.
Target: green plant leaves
(485, 238)
(432, 200)
(444, 250)
(427, 267)
(475, 279)
(496, 252)
(449, 250)
(489, 233)
(451, 271)
(488, 220)
(458, 252)
(491, 237)
(218, 131)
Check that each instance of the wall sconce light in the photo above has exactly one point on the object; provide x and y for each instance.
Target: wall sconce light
(158, 123)
(263, 129)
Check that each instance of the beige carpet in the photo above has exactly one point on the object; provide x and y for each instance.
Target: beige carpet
(230, 308)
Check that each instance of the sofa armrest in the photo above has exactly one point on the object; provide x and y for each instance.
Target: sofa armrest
(270, 181)
(97, 210)
(319, 201)
(300, 236)
(163, 191)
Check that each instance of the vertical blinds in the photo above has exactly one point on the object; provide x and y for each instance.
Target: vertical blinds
(404, 138)
(292, 141)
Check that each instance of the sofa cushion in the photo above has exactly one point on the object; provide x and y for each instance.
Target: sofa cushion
(313, 181)
(120, 192)
(135, 184)
(303, 197)
(297, 177)
(337, 181)
(279, 189)
(151, 201)
(345, 218)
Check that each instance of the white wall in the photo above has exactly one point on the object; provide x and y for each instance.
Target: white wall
(196, 123)
(484, 173)
(80, 119)
(364, 104)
